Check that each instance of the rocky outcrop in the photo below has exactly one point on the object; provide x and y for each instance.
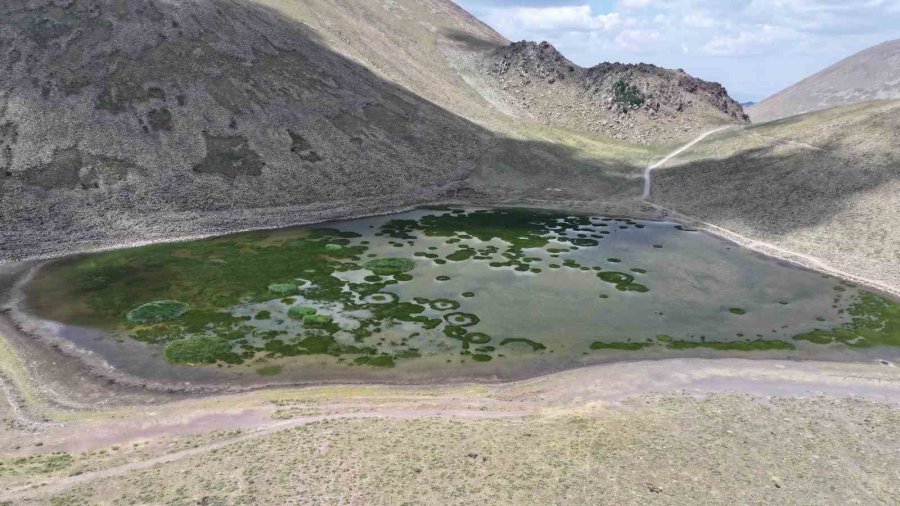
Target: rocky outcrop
(641, 102)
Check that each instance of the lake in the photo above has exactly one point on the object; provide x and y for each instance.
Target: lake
(448, 293)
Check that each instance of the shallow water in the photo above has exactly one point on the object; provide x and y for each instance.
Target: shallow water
(486, 293)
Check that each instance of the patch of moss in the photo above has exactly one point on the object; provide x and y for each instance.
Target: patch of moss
(756, 345)
(599, 345)
(157, 311)
(283, 289)
(316, 320)
(535, 346)
(875, 321)
(390, 266)
(300, 312)
(198, 350)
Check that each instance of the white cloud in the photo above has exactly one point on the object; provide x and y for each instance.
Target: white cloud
(756, 42)
(638, 41)
(556, 19)
(638, 4)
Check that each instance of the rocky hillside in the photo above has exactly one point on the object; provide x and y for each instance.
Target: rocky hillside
(871, 74)
(639, 103)
(132, 120)
(145, 116)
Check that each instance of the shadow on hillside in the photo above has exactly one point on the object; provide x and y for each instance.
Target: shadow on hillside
(768, 191)
(389, 140)
(471, 42)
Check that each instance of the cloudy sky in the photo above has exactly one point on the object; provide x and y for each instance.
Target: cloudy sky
(753, 47)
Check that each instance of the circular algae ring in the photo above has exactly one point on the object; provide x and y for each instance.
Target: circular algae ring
(444, 304)
(381, 298)
(461, 319)
(478, 338)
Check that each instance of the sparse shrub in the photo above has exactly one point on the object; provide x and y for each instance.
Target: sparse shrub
(628, 96)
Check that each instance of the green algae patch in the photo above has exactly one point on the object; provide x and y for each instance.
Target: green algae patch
(480, 357)
(461, 255)
(198, 350)
(632, 287)
(615, 277)
(390, 266)
(300, 312)
(157, 311)
(535, 346)
(875, 321)
(600, 345)
(316, 320)
(282, 290)
(756, 345)
(737, 310)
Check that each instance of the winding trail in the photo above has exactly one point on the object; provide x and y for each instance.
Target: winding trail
(650, 168)
(58, 485)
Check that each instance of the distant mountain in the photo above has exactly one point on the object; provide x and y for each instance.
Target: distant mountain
(871, 74)
(748, 104)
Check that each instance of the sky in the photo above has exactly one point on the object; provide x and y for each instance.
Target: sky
(753, 47)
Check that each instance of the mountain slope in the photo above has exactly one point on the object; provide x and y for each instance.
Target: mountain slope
(871, 74)
(134, 120)
(823, 184)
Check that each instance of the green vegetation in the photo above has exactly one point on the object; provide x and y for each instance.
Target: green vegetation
(536, 346)
(627, 95)
(316, 320)
(757, 345)
(599, 345)
(198, 350)
(157, 311)
(875, 321)
(36, 464)
(389, 266)
(283, 289)
(736, 310)
(301, 312)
